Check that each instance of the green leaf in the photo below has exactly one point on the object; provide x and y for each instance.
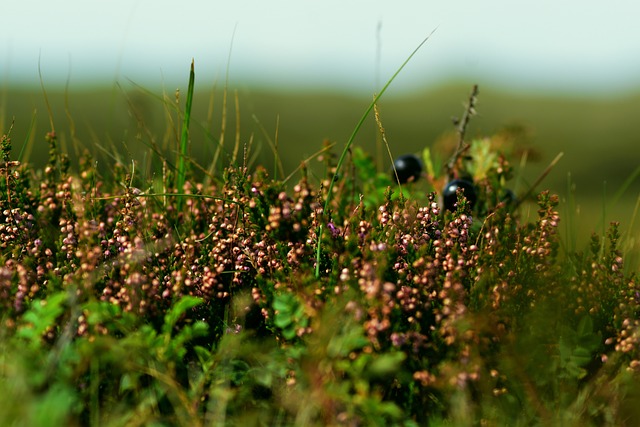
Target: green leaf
(178, 310)
(289, 332)
(351, 339)
(429, 163)
(41, 316)
(364, 164)
(54, 407)
(386, 364)
(128, 382)
(585, 327)
(101, 311)
(282, 320)
(289, 315)
(484, 158)
(284, 303)
(203, 354)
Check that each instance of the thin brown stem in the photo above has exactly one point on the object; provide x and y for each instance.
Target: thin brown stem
(461, 128)
(542, 176)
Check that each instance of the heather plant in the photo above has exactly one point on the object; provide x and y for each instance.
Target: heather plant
(354, 299)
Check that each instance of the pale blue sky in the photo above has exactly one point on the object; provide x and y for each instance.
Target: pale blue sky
(566, 45)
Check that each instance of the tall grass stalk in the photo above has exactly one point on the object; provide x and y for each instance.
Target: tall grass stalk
(570, 216)
(29, 139)
(625, 186)
(223, 130)
(46, 98)
(236, 145)
(603, 219)
(613, 201)
(383, 135)
(307, 160)
(355, 132)
(541, 178)
(184, 137)
(150, 141)
(223, 124)
(273, 144)
(72, 124)
(632, 242)
(376, 85)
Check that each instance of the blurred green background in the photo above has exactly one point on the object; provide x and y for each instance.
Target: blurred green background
(597, 133)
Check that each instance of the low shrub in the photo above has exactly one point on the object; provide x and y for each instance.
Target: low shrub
(349, 300)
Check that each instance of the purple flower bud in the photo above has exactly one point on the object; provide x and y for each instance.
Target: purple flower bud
(334, 230)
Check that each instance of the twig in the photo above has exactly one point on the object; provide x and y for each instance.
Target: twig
(462, 124)
(383, 135)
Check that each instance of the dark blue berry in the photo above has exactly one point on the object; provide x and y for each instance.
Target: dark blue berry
(509, 197)
(450, 193)
(408, 167)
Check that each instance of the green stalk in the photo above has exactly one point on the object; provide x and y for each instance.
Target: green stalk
(350, 141)
(625, 185)
(184, 138)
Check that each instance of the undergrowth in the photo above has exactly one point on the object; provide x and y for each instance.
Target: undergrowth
(349, 300)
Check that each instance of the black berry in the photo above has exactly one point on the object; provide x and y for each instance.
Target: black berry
(509, 197)
(450, 193)
(408, 167)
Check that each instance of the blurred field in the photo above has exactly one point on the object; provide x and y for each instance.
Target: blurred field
(598, 135)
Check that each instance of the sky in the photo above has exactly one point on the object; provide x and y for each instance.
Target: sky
(552, 45)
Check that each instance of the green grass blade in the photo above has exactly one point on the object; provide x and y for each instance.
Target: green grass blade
(184, 138)
(355, 132)
(46, 98)
(626, 184)
(27, 146)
